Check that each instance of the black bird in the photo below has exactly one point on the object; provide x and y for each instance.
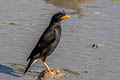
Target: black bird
(48, 41)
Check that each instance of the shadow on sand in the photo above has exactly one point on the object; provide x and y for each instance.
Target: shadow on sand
(7, 70)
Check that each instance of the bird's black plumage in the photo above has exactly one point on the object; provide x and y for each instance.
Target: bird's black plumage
(48, 41)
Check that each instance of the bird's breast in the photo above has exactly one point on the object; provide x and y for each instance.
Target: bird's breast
(58, 34)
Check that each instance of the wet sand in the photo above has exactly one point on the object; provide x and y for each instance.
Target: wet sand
(92, 21)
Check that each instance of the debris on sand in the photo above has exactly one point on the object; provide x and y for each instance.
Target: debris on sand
(8, 22)
(95, 45)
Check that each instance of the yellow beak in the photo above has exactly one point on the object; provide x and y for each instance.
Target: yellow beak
(66, 16)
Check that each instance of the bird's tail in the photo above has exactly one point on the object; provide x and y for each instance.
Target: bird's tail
(28, 66)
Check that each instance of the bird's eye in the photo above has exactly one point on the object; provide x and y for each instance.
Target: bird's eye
(60, 16)
(56, 16)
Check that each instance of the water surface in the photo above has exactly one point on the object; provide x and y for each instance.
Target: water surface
(92, 21)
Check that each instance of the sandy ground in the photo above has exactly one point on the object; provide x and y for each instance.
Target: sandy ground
(92, 21)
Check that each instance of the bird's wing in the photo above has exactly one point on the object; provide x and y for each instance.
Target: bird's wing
(46, 40)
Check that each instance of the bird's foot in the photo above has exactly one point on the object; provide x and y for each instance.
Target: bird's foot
(51, 70)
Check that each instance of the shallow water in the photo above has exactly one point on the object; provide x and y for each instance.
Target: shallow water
(92, 21)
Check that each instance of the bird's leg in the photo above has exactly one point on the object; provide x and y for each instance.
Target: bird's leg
(48, 68)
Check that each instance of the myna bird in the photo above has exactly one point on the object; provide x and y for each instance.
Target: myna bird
(48, 41)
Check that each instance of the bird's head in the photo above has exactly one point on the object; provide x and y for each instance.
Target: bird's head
(59, 16)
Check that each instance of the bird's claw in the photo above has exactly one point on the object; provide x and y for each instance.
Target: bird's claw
(50, 70)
